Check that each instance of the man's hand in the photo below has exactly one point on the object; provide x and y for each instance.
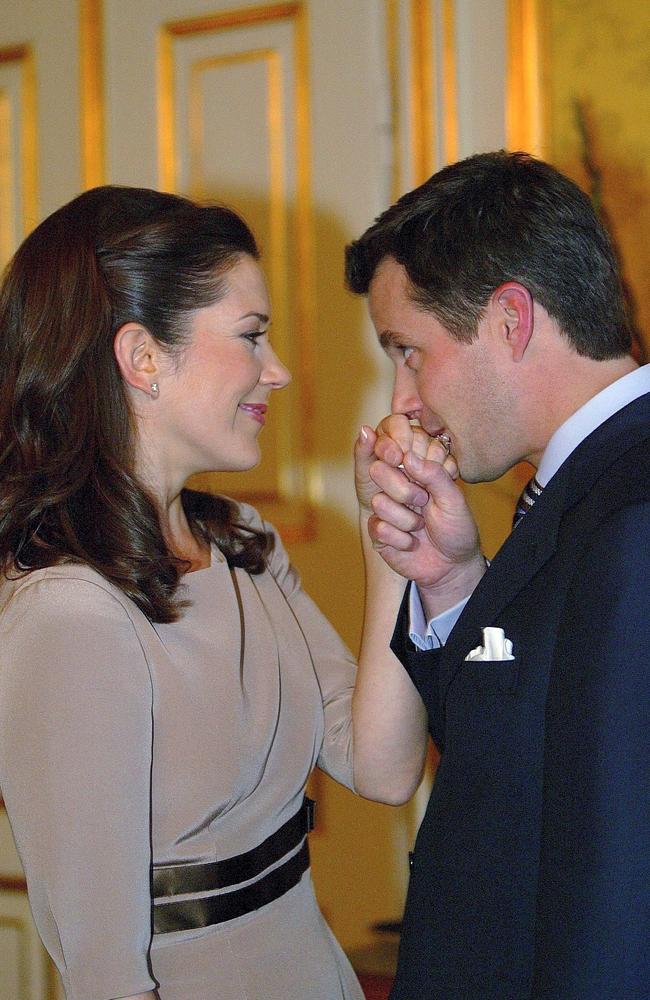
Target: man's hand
(420, 521)
(406, 438)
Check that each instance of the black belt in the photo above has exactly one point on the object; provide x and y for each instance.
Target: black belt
(172, 880)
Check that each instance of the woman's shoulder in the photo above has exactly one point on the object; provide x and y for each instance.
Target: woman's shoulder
(62, 589)
(276, 560)
(250, 516)
(229, 514)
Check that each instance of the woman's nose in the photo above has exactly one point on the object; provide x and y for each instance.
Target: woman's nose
(275, 373)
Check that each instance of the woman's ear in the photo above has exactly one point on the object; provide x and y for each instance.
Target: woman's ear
(136, 353)
(515, 312)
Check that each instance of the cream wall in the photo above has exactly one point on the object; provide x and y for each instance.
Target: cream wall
(310, 117)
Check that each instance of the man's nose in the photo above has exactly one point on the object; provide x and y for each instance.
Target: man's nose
(405, 397)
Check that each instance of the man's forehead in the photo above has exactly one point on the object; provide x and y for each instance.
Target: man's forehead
(392, 305)
(388, 288)
(389, 272)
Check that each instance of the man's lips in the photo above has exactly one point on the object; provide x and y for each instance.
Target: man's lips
(444, 439)
(255, 410)
(441, 434)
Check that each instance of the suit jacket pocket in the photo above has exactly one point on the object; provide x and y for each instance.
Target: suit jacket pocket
(491, 676)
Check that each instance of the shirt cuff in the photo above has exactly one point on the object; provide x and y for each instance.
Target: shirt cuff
(434, 634)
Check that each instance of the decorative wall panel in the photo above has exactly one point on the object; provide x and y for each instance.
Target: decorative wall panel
(524, 103)
(233, 108)
(18, 147)
(91, 92)
(421, 61)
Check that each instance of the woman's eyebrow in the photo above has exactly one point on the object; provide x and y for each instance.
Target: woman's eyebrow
(262, 317)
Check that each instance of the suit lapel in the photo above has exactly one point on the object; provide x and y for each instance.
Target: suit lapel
(534, 539)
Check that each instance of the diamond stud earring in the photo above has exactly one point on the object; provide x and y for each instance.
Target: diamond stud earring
(154, 390)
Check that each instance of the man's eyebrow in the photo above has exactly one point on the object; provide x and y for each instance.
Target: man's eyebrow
(388, 339)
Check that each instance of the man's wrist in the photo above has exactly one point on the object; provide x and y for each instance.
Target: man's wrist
(456, 586)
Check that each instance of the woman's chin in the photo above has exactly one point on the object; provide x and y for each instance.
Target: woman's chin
(240, 463)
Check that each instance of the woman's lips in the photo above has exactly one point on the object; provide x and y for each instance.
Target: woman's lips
(255, 410)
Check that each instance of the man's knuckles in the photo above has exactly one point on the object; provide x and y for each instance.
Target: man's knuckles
(397, 485)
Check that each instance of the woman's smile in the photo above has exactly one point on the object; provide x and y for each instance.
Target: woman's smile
(255, 410)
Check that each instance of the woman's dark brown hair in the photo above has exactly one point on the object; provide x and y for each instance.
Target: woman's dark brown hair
(68, 488)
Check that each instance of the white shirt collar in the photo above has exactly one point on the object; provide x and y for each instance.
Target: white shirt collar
(590, 416)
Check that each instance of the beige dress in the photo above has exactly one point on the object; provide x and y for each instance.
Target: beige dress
(124, 743)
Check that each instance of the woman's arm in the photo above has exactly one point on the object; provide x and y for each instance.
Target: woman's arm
(389, 721)
(408, 531)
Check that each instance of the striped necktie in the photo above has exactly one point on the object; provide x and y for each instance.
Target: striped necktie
(528, 496)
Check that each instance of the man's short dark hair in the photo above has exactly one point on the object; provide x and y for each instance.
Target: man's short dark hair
(498, 217)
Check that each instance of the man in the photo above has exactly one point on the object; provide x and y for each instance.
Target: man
(493, 288)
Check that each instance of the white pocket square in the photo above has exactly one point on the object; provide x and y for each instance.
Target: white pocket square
(495, 646)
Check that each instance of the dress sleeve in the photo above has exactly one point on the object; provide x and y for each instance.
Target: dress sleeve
(334, 665)
(593, 917)
(75, 766)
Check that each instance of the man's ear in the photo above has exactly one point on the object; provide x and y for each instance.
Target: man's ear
(514, 311)
(136, 354)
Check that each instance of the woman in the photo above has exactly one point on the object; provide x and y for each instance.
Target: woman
(165, 685)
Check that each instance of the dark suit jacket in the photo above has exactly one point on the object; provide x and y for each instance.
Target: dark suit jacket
(531, 876)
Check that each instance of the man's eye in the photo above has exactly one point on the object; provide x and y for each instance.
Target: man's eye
(408, 354)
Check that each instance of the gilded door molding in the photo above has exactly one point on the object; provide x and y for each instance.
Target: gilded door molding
(91, 93)
(420, 47)
(525, 113)
(292, 481)
(18, 159)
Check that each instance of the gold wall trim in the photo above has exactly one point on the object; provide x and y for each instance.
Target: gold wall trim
(274, 114)
(91, 90)
(203, 24)
(292, 512)
(277, 256)
(271, 59)
(422, 98)
(28, 155)
(524, 103)
(6, 187)
(430, 95)
(305, 290)
(235, 18)
(393, 63)
(449, 81)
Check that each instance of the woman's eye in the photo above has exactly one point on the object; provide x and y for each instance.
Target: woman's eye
(253, 336)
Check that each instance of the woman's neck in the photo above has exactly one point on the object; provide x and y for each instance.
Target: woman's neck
(181, 540)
